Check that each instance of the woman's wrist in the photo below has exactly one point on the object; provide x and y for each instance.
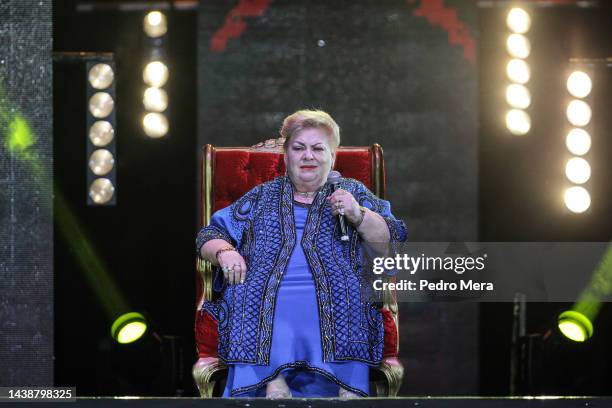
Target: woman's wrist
(223, 249)
(360, 217)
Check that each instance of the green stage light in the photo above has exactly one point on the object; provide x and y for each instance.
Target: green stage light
(20, 137)
(575, 326)
(129, 327)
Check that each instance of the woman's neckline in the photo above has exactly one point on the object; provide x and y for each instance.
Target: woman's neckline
(300, 204)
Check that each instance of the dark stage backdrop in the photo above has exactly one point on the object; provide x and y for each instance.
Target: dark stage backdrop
(399, 73)
(26, 165)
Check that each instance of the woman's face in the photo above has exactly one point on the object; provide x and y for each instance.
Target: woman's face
(309, 157)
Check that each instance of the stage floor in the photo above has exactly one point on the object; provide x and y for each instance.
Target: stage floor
(403, 402)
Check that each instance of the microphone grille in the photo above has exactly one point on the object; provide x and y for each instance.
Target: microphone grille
(334, 177)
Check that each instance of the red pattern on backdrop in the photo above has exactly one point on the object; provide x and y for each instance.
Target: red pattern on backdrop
(234, 22)
(437, 14)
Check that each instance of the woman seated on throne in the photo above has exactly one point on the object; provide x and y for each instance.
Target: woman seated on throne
(292, 319)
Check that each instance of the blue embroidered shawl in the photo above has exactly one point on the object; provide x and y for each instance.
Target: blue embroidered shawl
(261, 226)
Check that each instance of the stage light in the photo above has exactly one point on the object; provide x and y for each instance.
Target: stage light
(518, 46)
(578, 170)
(101, 105)
(101, 133)
(575, 326)
(518, 71)
(155, 99)
(101, 162)
(579, 84)
(518, 96)
(518, 20)
(155, 74)
(577, 199)
(129, 327)
(578, 141)
(155, 24)
(101, 76)
(578, 113)
(155, 124)
(518, 122)
(101, 191)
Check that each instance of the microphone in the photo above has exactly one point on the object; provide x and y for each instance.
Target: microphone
(334, 178)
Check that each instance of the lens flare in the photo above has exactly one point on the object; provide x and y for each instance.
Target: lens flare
(155, 74)
(155, 99)
(155, 24)
(577, 199)
(518, 71)
(518, 96)
(101, 162)
(101, 105)
(518, 46)
(578, 141)
(518, 122)
(101, 133)
(518, 20)
(101, 191)
(155, 125)
(579, 84)
(578, 113)
(101, 76)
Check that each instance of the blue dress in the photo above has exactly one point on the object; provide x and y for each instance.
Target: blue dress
(296, 340)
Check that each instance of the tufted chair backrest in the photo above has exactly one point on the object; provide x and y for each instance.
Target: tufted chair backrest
(229, 172)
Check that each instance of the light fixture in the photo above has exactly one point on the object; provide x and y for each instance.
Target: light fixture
(518, 46)
(100, 150)
(518, 20)
(101, 105)
(101, 76)
(101, 133)
(155, 99)
(155, 74)
(577, 199)
(518, 71)
(128, 327)
(101, 191)
(578, 113)
(101, 162)
(579, 84)
(575, 326)
(155, 124)
(518, 122)
(578, 170)
(518, 96)
(155, 24)
(578, 141)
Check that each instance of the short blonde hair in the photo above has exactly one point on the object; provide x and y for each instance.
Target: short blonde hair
(305, 119)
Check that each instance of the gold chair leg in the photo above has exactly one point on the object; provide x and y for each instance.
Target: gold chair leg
(203, 371)
(394, 371)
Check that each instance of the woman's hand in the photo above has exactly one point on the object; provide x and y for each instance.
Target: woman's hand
(342, 202)
(233, 266)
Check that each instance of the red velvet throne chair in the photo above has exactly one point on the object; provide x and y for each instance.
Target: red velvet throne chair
(228, 173)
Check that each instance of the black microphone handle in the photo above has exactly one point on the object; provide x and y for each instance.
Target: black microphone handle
(342, 226)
